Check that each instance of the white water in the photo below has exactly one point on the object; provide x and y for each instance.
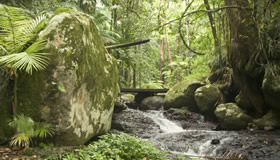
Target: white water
(202, 147)
(166, 125)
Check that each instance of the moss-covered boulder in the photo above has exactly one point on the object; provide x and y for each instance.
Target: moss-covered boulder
(152, 103)
(270, 119)
(182, 95)
(271, 86)
(178, 113)
(206, 97)
(76, 93)
(231, 117)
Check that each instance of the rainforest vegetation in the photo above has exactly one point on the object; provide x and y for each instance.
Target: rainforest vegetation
(59, 55)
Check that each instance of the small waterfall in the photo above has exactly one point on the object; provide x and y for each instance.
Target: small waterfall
(166, 125)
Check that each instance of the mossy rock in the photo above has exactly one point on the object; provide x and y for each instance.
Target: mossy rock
(231, 117)
(270, 119)
(76, 93)
(152, 103)
(206, 97)
(182, 95)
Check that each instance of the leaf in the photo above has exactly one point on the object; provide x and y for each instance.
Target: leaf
(61, 88)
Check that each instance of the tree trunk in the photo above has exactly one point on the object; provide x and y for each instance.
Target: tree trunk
(168, 49)
(242, 51)
(213, 28)
(161, 60)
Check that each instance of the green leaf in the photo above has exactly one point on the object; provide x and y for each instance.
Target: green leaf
(61, 88)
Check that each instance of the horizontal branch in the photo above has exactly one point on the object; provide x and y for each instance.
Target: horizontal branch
(203, 10)
(127, 44)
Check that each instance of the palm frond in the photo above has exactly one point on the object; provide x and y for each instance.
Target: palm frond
(17, 27)
(3, 50)
(23, 124)
(21, 140)
(29, 60)
(43, 130)
(12, 20)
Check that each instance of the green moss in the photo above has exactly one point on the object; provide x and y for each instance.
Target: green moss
(64, 10)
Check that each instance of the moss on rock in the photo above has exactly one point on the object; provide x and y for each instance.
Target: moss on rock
(231, 117)
(206, 97)
(76, 93)
(182, 95)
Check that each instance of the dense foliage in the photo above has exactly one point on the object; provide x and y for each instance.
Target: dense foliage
(117, 147)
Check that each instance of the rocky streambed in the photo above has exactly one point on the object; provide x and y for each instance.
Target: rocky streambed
(195, 137)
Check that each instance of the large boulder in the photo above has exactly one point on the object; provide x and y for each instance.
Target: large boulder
(206, 97)
(182, 95)
(76, 93)
(231, 117)
(270, 119)
(152, 103)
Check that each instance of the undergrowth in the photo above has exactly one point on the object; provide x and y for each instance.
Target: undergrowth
(115, 147)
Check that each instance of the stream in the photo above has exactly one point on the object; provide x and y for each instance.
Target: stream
(198, 139)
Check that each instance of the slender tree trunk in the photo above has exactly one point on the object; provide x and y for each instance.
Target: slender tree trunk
(168, 48)
(15, 94)
(134, 76)
(161, 45)
(213, 28)
(161, 60)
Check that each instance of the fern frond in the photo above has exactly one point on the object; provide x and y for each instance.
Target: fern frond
(29, 60)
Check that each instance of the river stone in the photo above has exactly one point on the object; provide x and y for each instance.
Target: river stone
(119, 106)
(182, 95)
(206, 97)
(127, 97)
(231, 117)
(270, 119)
(76, 93)
(152, 103)
(271, 86)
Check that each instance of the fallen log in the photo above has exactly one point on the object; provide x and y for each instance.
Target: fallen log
(127, 44)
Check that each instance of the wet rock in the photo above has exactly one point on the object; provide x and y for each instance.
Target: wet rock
(119, 107)
(215, 141)
(231, 117)
(127, 97)
(206, 97)
(135, 123)
(178, 113)
(182, 95)
(270, 120)
(152, 103)
(77, 91)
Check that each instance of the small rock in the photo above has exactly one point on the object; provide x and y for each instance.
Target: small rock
(215, 141)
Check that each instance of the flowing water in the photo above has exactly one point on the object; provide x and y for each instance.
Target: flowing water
(165, 125)
(196, 141)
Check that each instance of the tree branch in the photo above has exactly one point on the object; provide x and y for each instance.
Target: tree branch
(203, 10)
(180, 30)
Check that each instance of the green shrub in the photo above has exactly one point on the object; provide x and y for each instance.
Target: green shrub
(116, 147)
(26, 129)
